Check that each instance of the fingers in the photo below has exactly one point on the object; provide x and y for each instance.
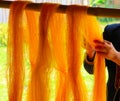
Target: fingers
(108, 42)
(98, 42)
(99, 45)
(101, 49)
(102, 46)
(102, 42)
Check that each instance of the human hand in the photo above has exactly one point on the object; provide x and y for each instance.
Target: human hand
(106, 49)
(89, 50)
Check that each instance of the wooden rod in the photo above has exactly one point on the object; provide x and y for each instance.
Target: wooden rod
(97, 11)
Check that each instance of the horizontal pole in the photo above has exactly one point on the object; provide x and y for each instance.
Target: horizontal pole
(97, 11)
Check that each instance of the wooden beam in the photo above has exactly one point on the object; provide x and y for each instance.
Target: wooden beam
(97, 11)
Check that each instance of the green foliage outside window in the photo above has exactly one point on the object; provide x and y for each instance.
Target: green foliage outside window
(3, 34)
(105, 4)
(97, 2)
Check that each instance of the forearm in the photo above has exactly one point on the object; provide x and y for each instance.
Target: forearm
(89, 64)
(116, 58)
(89, 58)
(88, 67)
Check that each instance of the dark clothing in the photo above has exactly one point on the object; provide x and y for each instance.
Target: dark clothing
(112, 34)
(117, 96)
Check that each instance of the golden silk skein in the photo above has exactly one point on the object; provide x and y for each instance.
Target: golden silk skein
(33, 29)
(39, 84)
(76, 27)
(92, 29)
(15, 51)
(58, 29)
(94, 32)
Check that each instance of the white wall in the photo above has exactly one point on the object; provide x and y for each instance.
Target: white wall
(4, 13)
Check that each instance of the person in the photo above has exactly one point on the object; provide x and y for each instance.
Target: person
(110, 49)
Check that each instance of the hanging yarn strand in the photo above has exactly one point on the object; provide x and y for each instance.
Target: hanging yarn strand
(32, 19)
(94, 32)
(76, 28)
(39, 84)
(58, 31)
(15, 51)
